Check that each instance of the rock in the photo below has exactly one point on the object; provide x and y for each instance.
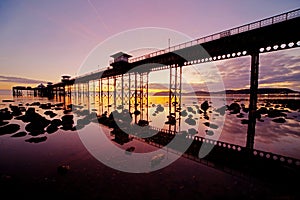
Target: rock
(77, 127)
(67, 122)
(50, 113)
(171, 120)
(56, 122)
(36, 139)
(199, 111)
(213, 126)
(221, 110)
(240, 115)
(258, 116)
(272, 113)
(45, 106)
(67, 111)
(235, 108)
(143, 123)
(3, 123)
(5, 114)
(160, 108)
(137, 112)
(19, 134)
(62, 104)
(157, 159)
(192, 131)
(206, 117)
(204, 106)
(30, 111)
(9, 129)
(209, 132)
(190, 109)
(15, 110)
(51, 129)
(63, 169)
(36, 127)
(67, 117)
(83, 121)
(183, 113)
(35, 104)
(22, 108)
(262, 110)
(8, 100)
(129, 150)
(190, 121)
(245, 121)
(279, 120)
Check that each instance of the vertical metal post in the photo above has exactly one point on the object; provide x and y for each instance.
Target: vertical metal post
(129, 88)
(253, 99)
(180, 96)
(88, 89)
(141, 96)
(135, 95)
(83, 92)
(94, 86)
(108, 95)
(147, 99)
(115, 92)
(101, 96)
(175, 91)
(170, 92)
(122, 91)
(88, 95)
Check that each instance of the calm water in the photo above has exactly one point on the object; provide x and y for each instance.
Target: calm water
(280, 138)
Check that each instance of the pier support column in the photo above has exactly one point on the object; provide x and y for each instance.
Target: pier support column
(253, 99)
(135, 96)
(122, 91)
(100, 96)
(115, 93)
(175, 97)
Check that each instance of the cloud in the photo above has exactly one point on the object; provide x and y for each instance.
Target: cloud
(276, 69)
(13, 79)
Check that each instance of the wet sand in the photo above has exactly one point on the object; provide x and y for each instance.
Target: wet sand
(32, 173)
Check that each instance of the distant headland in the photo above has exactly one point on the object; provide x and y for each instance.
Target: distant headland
(241, 91)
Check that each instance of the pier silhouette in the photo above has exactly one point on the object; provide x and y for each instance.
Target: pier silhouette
(124, 85)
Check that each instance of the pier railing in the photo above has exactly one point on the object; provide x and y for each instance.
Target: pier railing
(254, 25)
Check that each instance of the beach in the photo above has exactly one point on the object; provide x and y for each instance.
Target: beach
(61, 166)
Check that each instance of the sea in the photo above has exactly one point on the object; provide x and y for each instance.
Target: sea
(280, 138)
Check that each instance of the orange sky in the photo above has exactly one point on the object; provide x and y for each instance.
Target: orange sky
(41, 40)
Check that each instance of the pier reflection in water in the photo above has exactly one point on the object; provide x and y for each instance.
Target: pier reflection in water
(228, 151)
(192, 119)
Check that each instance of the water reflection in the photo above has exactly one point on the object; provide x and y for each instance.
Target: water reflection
(278, 120)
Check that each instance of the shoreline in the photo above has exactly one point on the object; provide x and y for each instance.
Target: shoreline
(35, 166)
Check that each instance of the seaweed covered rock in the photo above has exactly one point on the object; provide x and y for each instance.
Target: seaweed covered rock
(234, 108)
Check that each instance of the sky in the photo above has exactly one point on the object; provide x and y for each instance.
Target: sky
(40, 40)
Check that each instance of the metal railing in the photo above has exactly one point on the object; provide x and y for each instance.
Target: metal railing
(254, 25)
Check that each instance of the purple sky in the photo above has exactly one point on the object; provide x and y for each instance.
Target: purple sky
(41, 40)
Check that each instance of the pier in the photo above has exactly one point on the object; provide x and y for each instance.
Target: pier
(125, 80)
